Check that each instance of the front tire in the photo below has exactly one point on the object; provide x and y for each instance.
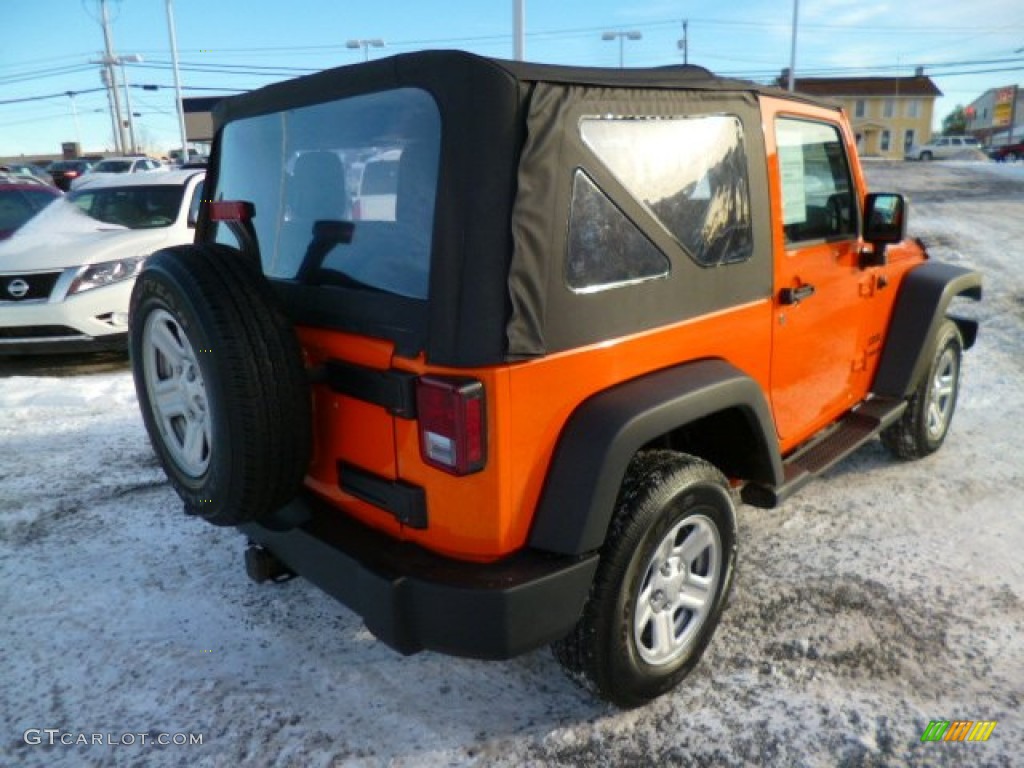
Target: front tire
(923, 427)
(221, 383)
(665, 572)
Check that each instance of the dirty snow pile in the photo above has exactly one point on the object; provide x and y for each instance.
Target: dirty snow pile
(883, 596)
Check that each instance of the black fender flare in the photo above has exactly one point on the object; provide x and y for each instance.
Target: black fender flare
(605, 431)
(924, 297)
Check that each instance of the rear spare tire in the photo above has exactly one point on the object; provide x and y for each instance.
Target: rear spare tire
(221, 384)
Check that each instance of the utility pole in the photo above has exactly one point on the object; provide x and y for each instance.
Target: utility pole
(684, 44)
(177, 84)
(108, 62)
(519, 29)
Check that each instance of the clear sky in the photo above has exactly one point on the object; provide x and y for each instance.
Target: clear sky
(231, 45)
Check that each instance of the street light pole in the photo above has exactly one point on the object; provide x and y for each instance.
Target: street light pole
(519, 29)
(134, 58)
(622, 37)
(375, 42)
(74, 113)
(177, 84)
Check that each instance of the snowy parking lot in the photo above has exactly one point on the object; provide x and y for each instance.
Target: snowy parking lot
(883, 596)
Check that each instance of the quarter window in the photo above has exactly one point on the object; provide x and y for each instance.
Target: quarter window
(817, 202)
(606, 250)
(689, 173)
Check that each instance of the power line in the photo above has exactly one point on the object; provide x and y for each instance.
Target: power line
(61, 95)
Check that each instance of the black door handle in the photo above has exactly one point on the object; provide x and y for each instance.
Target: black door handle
(796, 295)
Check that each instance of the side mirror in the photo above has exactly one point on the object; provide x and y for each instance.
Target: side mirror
(885, 223)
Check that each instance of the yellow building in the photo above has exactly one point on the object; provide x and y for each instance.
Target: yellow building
(888, 114)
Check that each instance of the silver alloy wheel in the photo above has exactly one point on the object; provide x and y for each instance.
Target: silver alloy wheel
(942, 394)
(177, 392)
(678, 590)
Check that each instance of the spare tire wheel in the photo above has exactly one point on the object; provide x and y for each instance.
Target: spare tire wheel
(221, 383)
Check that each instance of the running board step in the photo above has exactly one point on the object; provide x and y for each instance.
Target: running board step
(824, 452)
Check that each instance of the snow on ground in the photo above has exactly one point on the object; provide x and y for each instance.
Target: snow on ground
(883, 596)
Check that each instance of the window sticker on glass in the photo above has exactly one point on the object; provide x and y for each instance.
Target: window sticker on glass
(815, 179)
(791, 171)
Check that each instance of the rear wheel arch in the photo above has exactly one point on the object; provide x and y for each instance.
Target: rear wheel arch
(665, 409)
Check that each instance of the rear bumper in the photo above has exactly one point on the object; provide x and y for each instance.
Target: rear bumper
(414, 600)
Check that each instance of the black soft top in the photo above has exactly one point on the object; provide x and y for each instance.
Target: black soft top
(452, 71)
(508, 140)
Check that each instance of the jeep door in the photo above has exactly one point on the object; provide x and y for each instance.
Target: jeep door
(819, 312)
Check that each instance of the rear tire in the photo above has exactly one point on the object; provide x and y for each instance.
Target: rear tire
(923, 427)
(666, 569)
(221, 384)
(925, 156)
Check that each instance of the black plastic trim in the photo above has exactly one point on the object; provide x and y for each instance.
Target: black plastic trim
(370, 313)
(413, 599)
(408, 503)
(73, 343)
(924, 297)
(393, 389)
(605, 432)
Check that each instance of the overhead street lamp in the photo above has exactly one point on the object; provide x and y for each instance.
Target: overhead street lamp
(622, 36)
(110, 80)
(366, 45)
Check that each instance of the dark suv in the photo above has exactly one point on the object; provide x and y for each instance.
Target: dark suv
(519, 406)
(64, 172)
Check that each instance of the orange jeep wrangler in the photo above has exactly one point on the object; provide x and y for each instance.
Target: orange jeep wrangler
(515, 401)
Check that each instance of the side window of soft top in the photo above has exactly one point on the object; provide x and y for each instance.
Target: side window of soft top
(689, 173)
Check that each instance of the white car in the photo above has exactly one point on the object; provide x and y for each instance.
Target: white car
(943, 148)
(66, 276)
(115, 166)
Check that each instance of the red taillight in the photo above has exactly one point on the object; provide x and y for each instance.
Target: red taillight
(453, 424)
(70, 174)
(232, 210)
